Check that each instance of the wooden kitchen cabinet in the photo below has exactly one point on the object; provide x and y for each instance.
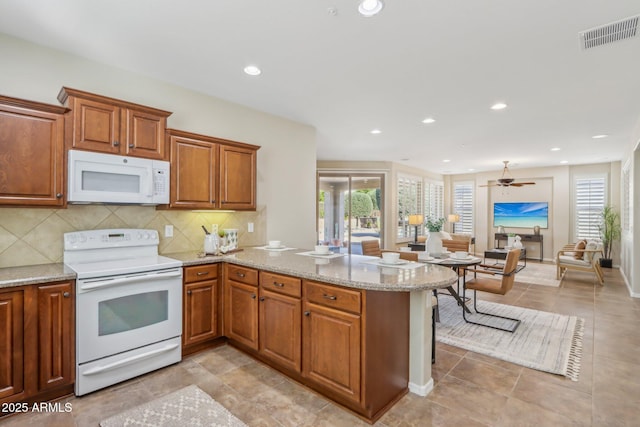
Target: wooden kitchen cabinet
(113, 126)
(280, 320)
(241, 305)
(211, 173)
(37, 342)
(332, 334)
(201, 305)
(11, 343)
(31, 153)
(56, 332)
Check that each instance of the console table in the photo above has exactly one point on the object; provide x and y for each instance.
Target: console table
(524, 238)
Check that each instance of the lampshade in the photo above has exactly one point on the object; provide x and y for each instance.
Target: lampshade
(416, 219)
(454, 217)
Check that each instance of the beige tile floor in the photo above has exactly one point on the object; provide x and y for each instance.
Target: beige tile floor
(471, 389)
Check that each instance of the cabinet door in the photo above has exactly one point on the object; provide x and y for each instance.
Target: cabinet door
(200, 312)
(31, 156)
(280, 329)
(96, 126)
(55, 335)
(11, 343)
(145, 135)
(331, 350)
(237, 178)
(193, 173)
(241, 316)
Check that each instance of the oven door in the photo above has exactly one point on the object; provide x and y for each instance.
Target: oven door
(121, 313)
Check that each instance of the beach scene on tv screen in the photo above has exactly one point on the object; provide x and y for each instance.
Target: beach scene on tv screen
(521, 214)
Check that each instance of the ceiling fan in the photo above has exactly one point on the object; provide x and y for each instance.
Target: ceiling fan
(507, 180)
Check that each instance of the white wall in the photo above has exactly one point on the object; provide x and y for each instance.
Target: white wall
(286, 161)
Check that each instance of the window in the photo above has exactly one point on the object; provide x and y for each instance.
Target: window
(409, 203)
(434, 200)
(590, 199)
(463, 206)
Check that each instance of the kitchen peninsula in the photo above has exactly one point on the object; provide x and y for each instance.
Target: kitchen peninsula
(356, 332)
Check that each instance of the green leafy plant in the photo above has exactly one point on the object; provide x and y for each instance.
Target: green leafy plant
(434, 224)
(610, 229)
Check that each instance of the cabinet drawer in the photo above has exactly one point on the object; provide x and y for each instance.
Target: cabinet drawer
(242, 274)
(282, 284)
(200, 272)
(332, 296)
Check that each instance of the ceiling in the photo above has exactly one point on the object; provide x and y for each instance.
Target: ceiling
(325, 65)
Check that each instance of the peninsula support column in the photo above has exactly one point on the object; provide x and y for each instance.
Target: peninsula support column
(420, 381)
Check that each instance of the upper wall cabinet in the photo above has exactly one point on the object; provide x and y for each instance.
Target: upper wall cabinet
(112, 126)
(31, 153)
(211, 173)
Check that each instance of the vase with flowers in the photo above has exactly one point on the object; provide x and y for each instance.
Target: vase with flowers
(434, 240)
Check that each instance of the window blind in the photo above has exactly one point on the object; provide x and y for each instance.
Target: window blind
(463, 206)
(590, 199)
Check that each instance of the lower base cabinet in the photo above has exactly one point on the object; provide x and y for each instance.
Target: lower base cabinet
(37, 342)
(201, 322)
(350, 345)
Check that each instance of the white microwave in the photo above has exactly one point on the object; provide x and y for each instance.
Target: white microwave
(107, 178)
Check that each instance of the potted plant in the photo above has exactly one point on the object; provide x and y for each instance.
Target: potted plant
(610, 231)
(434, 224)
(434, 241)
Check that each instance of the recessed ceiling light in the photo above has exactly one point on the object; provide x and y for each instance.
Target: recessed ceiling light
(564, 162)
(556, 149)
(471, 169)
(429, 120)
(252, 70)
(499, 106)
(446, 161)
(376, 131)
(599, 136)
(369, 8)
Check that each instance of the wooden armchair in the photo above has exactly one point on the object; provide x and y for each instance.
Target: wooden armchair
(371, 247)
(500, 283)
(580, 258)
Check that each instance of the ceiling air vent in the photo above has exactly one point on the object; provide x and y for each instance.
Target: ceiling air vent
(613, 32)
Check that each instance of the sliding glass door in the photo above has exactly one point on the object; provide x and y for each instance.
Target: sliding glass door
(349, 210)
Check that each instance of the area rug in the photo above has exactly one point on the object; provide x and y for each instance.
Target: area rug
(189, 406)
(544, 341)
(538, 274)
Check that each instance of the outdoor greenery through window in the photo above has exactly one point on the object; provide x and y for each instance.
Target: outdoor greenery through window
(590, 199)
(463, 206)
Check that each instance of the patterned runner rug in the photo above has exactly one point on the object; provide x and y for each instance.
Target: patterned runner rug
(189, 406)
(544, 341)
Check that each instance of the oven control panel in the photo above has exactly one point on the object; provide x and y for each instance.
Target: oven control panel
(111, 238)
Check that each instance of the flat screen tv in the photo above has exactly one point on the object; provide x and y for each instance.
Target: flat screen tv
(521, 214)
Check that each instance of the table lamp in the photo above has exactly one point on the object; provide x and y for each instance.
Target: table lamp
(453, 218)
(416, 220)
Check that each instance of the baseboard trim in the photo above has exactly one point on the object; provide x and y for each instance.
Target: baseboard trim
(421, 390)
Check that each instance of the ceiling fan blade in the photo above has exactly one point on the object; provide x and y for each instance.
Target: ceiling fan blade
(526, 183)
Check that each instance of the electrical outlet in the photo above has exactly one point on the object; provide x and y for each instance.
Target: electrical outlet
(168, 231)
(250, 227)
(214, 228)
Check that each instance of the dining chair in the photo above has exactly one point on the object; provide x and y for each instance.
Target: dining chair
(500, 286)
(371, 247)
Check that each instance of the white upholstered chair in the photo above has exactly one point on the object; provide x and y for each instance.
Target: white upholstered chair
(580, 257)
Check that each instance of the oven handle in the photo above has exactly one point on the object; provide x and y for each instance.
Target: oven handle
(143, 278)
(129, 360)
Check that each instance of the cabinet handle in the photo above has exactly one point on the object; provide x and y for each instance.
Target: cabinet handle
(116, 143)
(331, 297)
(131, 145)
(66, 294)
(202, 273)
(58, 195)
(280, 285)
(240, 274)
(307, 313)
(189, 292)
(253, 296)
(261, 298)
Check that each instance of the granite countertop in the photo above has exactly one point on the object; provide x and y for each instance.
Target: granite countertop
(354, 271)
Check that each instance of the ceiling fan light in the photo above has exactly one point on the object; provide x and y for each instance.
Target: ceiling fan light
(369, 8)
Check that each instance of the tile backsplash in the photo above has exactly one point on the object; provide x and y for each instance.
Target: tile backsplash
(34, 236)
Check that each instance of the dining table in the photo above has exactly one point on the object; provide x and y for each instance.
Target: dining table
(449, 260)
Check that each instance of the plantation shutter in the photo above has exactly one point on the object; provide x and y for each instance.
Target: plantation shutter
(463, 206)
(409, 197)
(434, 200)
(589, 202)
